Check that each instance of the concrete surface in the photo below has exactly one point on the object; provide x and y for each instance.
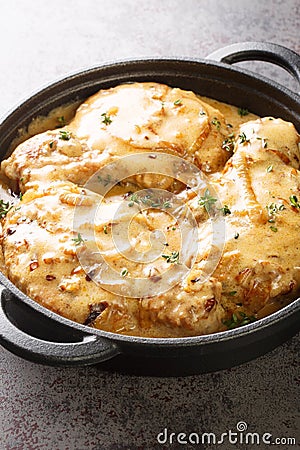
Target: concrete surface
(86, 408)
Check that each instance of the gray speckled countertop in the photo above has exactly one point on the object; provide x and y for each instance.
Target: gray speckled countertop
(88, 408)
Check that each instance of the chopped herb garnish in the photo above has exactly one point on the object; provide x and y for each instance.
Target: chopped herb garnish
(237, 320)
(124, 272)
(65, 135)
(20, 196)
(216, 123)
(236, 236)
(269, 169)
(243, 138)
(61, 121)
(232, 293)
(105, 181)
(4, 208)
(207, 201)
(173, 258)
(133, 199)
(225, 210)
(178, 102)
(106, 119)
(51, 144)
(149, 200)
(294, 201)
(78, 240)
(228, 143)
(202, 113)
(273, 209)
(173, 228)
(274, 229)
(243, 112)
(105, 229)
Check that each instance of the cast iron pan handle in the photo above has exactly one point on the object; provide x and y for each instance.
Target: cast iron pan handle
(89, 350)
(262, 51)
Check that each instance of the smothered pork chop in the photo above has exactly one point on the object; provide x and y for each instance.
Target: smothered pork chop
(253, 191)
(126, 119)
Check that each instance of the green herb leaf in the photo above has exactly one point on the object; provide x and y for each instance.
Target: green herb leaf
(269, 168)
(105, 229)
(133, 199)
(216, 123)
(4, 208)
(149, 200)
(124, 272)
(294, 201)
(273, 208)
(178, 102)
(243, 138)
(78, 240)
(61, 121)
(105, 181)
(228, 143)
(238, 319)
(243, 112)
(173, 258)
(65, 135)
(106, 119)
(207, 201)
(225, 210)
(274, 229)
(236, 236)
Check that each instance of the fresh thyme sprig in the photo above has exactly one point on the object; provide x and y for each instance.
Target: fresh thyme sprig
(78, 240)
(207, 201)
(149, 200)
(4, 208)
(65, 135)
(216, 123)
(226, 211)
(173, 258)
(294, 201)
(106, 119)
(243, 138)
(228, 143)
(243, 112)
(237, 320)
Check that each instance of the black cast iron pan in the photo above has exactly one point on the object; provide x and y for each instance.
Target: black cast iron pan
(34, 333)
